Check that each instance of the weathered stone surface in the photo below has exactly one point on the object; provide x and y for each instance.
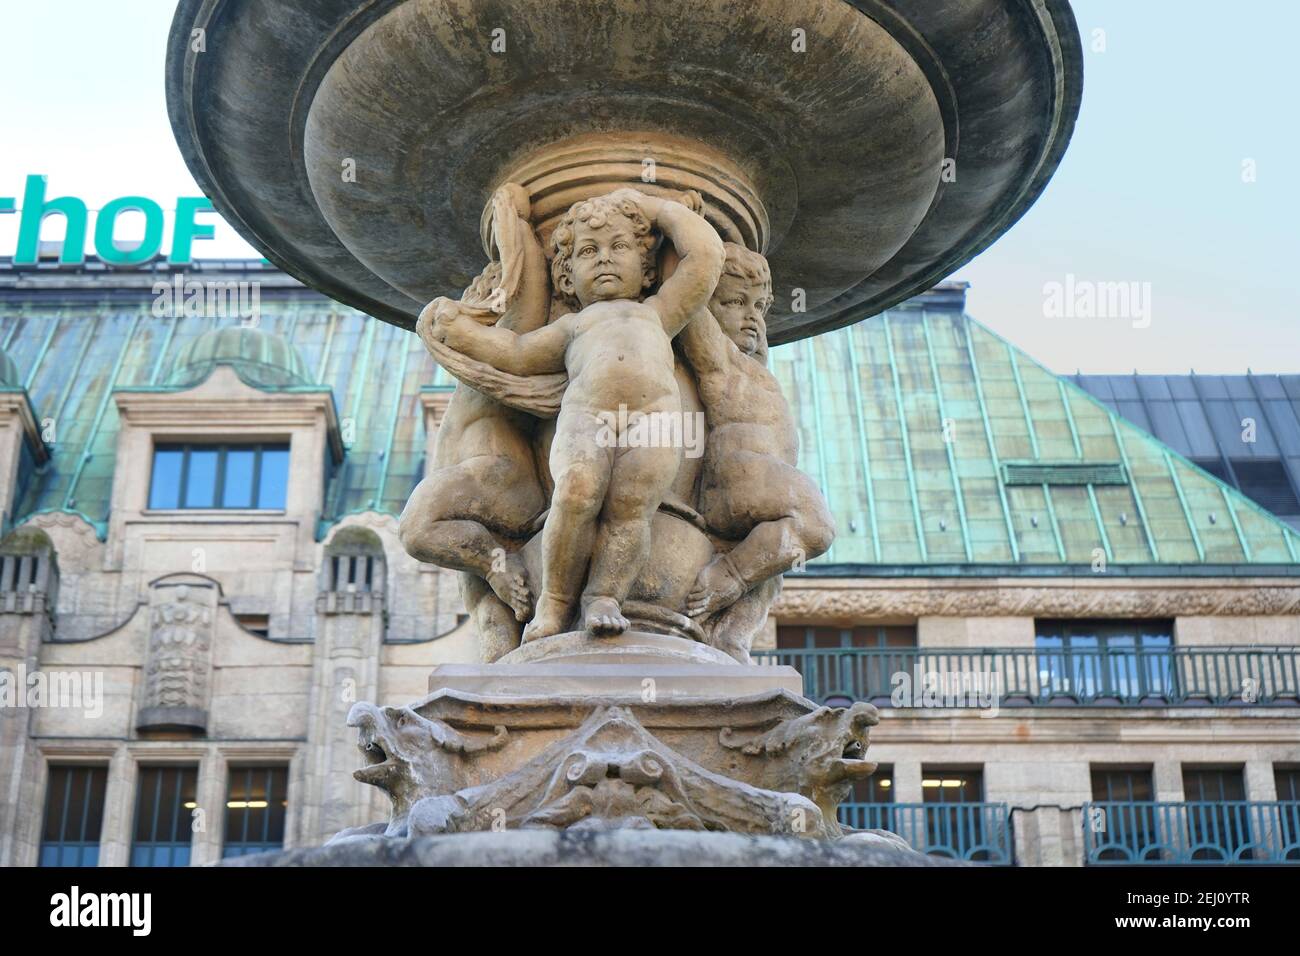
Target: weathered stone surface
(637, 848)
(841, 135)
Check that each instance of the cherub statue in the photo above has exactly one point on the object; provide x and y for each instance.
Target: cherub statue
(617, 354)
(750, 489)
(483, 495)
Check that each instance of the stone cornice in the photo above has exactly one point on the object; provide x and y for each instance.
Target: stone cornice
(1089, 726)
(224, 402)
(15, 402)
(850, 601)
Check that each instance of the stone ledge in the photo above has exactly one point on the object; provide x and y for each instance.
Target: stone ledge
(638, 848)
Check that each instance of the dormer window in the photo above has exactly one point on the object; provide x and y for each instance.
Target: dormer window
(247, 476)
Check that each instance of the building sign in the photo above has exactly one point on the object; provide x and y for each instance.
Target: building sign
(36, 206)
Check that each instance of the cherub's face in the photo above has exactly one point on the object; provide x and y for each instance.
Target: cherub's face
(606, 262)
(740, 306)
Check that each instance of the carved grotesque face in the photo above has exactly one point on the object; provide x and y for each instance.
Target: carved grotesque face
(606, 261)
(740, 305)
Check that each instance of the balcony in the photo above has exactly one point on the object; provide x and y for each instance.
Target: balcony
(1161, 834)
(1028, 677)
(979, 832)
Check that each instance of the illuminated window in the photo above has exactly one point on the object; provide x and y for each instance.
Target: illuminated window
(256, 803)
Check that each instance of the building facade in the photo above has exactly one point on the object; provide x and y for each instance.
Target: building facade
(1086, 648)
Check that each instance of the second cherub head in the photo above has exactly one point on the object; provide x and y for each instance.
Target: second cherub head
(742, 298)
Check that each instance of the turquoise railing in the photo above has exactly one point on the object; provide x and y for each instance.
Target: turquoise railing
(1152, 833)
(961, 831)
(1026, 676)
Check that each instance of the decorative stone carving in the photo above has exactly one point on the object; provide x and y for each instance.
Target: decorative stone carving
(410, 757)
(819, 755)
(835, 605)
(74, 538)
(178, 665)
(661, 744)
(633, 531)
(613, 774)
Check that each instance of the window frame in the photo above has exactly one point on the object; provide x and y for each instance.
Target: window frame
(86, 850)
(222, 448)
(1107, 668)
(179, 852)
(277, 788)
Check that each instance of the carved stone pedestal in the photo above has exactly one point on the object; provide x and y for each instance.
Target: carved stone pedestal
(642, 731)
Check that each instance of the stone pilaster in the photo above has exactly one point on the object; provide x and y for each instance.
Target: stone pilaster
(27, 592)
(350, 629)
(211, 797)
(119, 810)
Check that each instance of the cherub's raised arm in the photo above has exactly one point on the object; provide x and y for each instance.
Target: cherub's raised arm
(533, 353)
(701, 256)
(705, 345)
(525, 276)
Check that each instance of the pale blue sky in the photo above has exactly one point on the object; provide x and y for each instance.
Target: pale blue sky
(1150, 190)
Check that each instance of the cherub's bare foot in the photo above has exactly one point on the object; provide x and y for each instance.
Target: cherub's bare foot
(604, 618)
(510, 583)
(716, 586)
(551, 616)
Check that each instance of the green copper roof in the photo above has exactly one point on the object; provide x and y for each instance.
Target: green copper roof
(9, 377)
(938, 444)
(259, 358)
(914, 422)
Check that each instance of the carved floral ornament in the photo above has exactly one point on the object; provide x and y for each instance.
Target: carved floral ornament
(868, 601)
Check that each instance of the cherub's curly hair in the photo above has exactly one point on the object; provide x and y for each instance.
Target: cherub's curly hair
(595, 213)
(745, 264)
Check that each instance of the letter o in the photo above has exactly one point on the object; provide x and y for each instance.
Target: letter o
(107, 221)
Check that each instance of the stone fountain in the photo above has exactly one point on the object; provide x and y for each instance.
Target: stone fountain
(598, 215)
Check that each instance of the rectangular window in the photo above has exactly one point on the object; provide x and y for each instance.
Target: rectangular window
(954, 818)
(1123, 660)
(165, 800)
(838, 678)
(1110, 784)
(870, 804)
(1127, 830)
(878, 788)
(219, 476)
(74, 811)
(1288, 783)
(1217, 818)
(256, 803)
(800, 637)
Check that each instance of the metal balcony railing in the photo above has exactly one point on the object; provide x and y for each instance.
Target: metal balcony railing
(961, 831)
(1152, 833)
(1024, 676)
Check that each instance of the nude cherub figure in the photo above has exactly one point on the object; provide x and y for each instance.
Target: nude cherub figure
(478, 503)
(750, 488)
(617, 351)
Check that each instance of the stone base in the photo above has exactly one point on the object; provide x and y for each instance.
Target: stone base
(635, 667)
(642, 731)
(638, 848)
(632, 647)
